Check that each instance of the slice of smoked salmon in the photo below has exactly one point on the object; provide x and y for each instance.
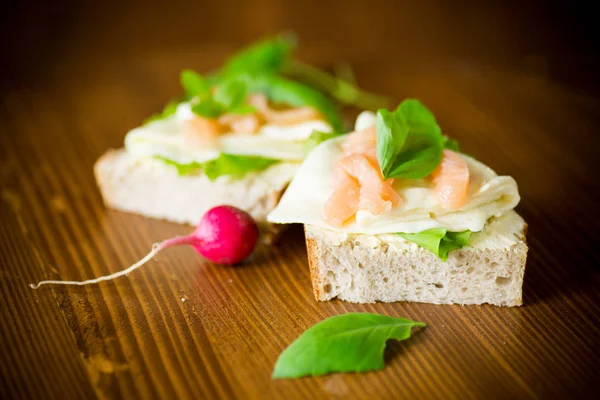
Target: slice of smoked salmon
(374, 193)
(283, 117)
(451, 180)
(360, 142)
(247, 124)
(200, 132)
(343, 202)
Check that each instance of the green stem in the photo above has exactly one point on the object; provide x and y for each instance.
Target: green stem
(341, 90)
(344, 72)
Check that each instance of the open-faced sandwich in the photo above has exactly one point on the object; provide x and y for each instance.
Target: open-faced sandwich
(236, 137)
(394, 212)
(238, 142)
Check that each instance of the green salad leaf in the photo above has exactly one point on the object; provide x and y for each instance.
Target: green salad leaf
(207, 108)
(274, 56)
(351, 342)
(228, 96)
(409, 141)
(266, 56)
(316, 138)
(182, 169)
(234, 165)
(194, 84)
(439, 241)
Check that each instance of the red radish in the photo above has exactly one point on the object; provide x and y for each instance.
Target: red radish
(225, 235)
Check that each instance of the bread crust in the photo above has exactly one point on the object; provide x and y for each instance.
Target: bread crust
(312, 265)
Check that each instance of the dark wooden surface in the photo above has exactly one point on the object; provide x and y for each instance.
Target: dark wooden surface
(516, 87)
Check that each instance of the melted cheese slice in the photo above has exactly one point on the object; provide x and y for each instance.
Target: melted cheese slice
(303, 202)
(165, 138)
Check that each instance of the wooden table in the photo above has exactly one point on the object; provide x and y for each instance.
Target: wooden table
(183, 328)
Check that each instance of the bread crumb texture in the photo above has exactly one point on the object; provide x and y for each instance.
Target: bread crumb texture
(355, 270)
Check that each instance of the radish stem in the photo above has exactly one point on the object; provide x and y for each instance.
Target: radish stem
(157, 247)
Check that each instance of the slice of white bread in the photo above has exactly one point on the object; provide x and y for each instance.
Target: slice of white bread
(370, 268)
(154, 188)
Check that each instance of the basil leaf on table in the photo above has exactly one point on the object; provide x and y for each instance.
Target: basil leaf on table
(351, 342)
(236, 166)
(439, 241)
(409, 141)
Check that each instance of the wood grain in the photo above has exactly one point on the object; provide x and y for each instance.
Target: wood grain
(184, 328)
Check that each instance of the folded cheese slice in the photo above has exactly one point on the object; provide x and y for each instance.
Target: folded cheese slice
(303, 202)
(165, 138)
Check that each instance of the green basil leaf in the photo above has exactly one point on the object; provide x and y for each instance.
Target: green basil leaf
(169, 110)
(439, 241)
(207, 108)
(266, 56)
(236, 166)
(409, 141)
(242, 109)
(231, 94)
(316, 138)
(194, 84)
(229, 97)
(391, 135)
(351, 342)
(419, 157)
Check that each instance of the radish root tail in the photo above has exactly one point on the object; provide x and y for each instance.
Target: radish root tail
(155, 249)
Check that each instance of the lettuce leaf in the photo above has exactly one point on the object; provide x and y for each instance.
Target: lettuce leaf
(182, 169)
(234, 165)
(439, 241)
